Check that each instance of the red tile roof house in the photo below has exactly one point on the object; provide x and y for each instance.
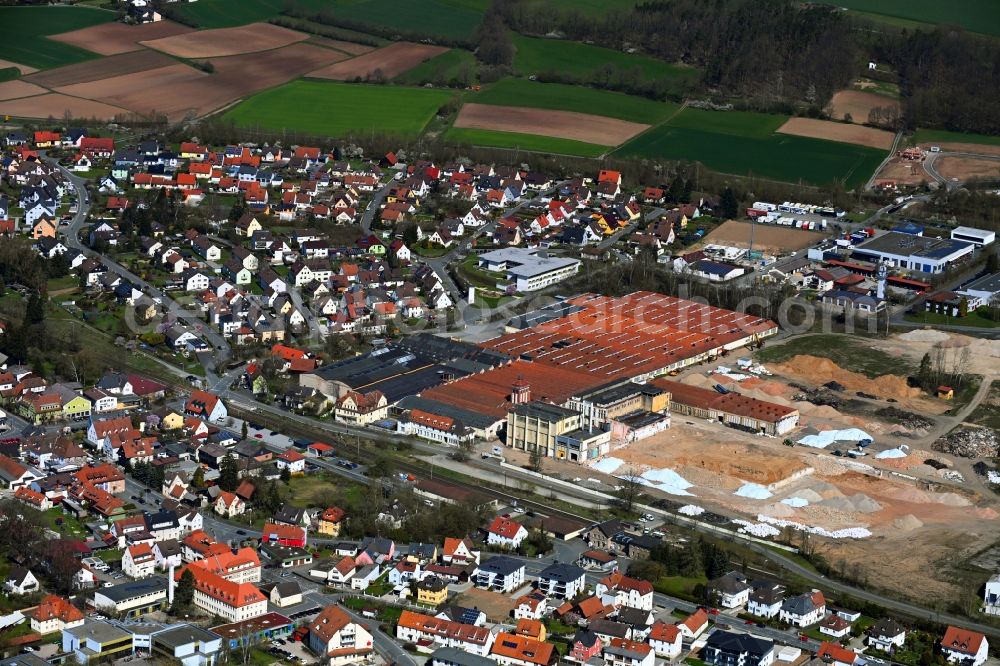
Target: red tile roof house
(505, 533)
(205, 406)
(962, 646)
(285, 535)
(834, 654)
(665, 639)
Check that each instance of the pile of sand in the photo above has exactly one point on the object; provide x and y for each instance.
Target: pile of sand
(924, 335)
(810, 495)
(819, 370)
(907, 523)
(778, 510)
(952, 499)
(858, 503)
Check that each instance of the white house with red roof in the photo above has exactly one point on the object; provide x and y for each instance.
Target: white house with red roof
(459, 551)
(836, 655)
(335, 636)
(694, 625)
(618, 590)
(235, 602)
(206, 406)
(229, 504)
(139, 561)
(962, 646)
(505, 533)
(54, 614)
(291, 460)
(666, 640)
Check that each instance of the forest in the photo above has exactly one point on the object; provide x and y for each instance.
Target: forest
(778, 55)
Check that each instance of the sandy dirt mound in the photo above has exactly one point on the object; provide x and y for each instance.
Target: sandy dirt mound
(114, 38)
(817, 370)
(16, 89)
(561, 124)
(907, 523)
(104, 68)
(842, 132)
(768, 238)
(963, 168)
(858, 103)
(227, 41)
(43, 106)
(391, 61)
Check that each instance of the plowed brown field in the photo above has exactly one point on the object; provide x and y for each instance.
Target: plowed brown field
(562, 124)
(227, 41)
(857, 103)
(16, 89)
(842, 132)
(115, 38)
(56, 106)
(103, 68)
(391, 61)
(178, 90)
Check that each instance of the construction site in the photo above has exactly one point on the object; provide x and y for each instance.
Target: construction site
(873, 466)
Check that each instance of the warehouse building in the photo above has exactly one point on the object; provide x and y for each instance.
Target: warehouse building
(915, 253)
(735, 410)
(978, 237)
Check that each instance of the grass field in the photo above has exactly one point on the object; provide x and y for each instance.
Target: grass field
(337, 109)
(974, 15)
(528, 142)
(455, 19)
(745, 143)
(585, 7)
(230, 13)
(25, 28)
(943, 136)
(444, 67)
(520, 92)
(535, 55)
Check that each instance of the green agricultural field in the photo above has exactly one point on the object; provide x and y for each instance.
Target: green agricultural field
(943, 136)
(745, 144)
(444, 67)
(454, 19)
(231, 13)
(527, 142)
(337, 109)
(25, 29)
(975, 15)
(561, 97)
(536, 55)
(585, 7)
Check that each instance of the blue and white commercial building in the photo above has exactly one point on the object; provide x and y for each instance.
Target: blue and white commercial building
(916, 253)
(980, 237)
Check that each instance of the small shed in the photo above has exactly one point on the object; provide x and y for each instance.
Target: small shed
(945, 392)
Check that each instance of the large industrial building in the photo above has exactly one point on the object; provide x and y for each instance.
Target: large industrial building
(732, 409)
(915, 253)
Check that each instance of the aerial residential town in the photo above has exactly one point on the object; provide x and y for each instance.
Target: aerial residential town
(499, 333)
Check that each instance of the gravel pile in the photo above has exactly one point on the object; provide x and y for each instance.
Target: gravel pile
(969, 443)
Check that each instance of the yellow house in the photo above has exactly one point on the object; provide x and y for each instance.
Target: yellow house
(171, 420)
(77, 407)
(330, 521)
(432, 591)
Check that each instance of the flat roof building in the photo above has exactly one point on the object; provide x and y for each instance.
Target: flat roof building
(916, 253)
(96, 641)
(133, 599)
(979, 237)
(528, 269)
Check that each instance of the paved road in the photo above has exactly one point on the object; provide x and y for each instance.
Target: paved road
(374, 206)
(211, 359)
